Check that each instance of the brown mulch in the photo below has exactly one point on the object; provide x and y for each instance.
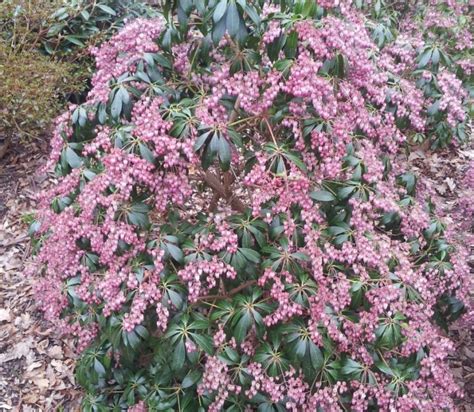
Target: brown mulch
(36, 365)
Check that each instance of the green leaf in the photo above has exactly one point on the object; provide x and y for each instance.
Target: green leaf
(72, 158)
(259, 237)
(383, 367)
(204, 342)
(85, 15)
(232, 19)
(282, 65)
(296, 160)
(243, 325)
(425, 58)
(214, 145)
(219, 11)
(224, 153)
(175, 252)
(201, 140)
(316, 356)
(75, 40)
(301, 345)
(101, 113)
(235, 137)
(175, 297)
(352, 369)
(345, 192)
(435, 56)
(179, 355)
(231, 354)
(280, 168)
(143, 76)
(141, 331)
(301, 256)
(191, 378)
(309, 8)
(252, 13)
(116, 107)
(59, 12)
(291, 45)
(445, 58)
(275, 47)
(322, 196)
(219, 30)
(337, 230)
(250, 254)
(434, 108)
(163, 61)
(131, 339)
(98, 367)
(138, 217)
(409, 180)
(149, 59)
(208, 157)
(146, 153)
(377, 8)
(107, 9)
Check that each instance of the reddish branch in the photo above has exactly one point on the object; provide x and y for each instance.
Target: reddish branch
(223, 189)
(229, 294)
(219, 189)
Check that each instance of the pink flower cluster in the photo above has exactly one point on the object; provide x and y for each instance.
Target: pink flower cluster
(121, 53)
(286, 307)
(452, 99)
(193, 273)
(217, 379)
(95, 229)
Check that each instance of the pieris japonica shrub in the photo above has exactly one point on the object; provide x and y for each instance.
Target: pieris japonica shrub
(232, 228)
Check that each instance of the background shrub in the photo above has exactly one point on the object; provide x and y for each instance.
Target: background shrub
(236, 229)
(32, 91)
(44, 57)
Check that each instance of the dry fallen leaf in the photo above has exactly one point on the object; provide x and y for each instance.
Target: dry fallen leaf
(21, 349)
(42, 346)
(451, 184)
(55, 352)
(31, 397)
(42, 383)
(442, 189)
(24, 320)
(33, 365)
(5, 315)
(418, 154)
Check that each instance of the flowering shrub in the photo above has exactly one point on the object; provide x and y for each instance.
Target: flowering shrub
(231, 229)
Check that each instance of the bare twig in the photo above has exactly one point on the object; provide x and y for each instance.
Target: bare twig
(231, 293)
(228, 177)
(213, 182)
(270, 130)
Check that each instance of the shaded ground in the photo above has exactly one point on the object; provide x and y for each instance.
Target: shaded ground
(36, 366)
